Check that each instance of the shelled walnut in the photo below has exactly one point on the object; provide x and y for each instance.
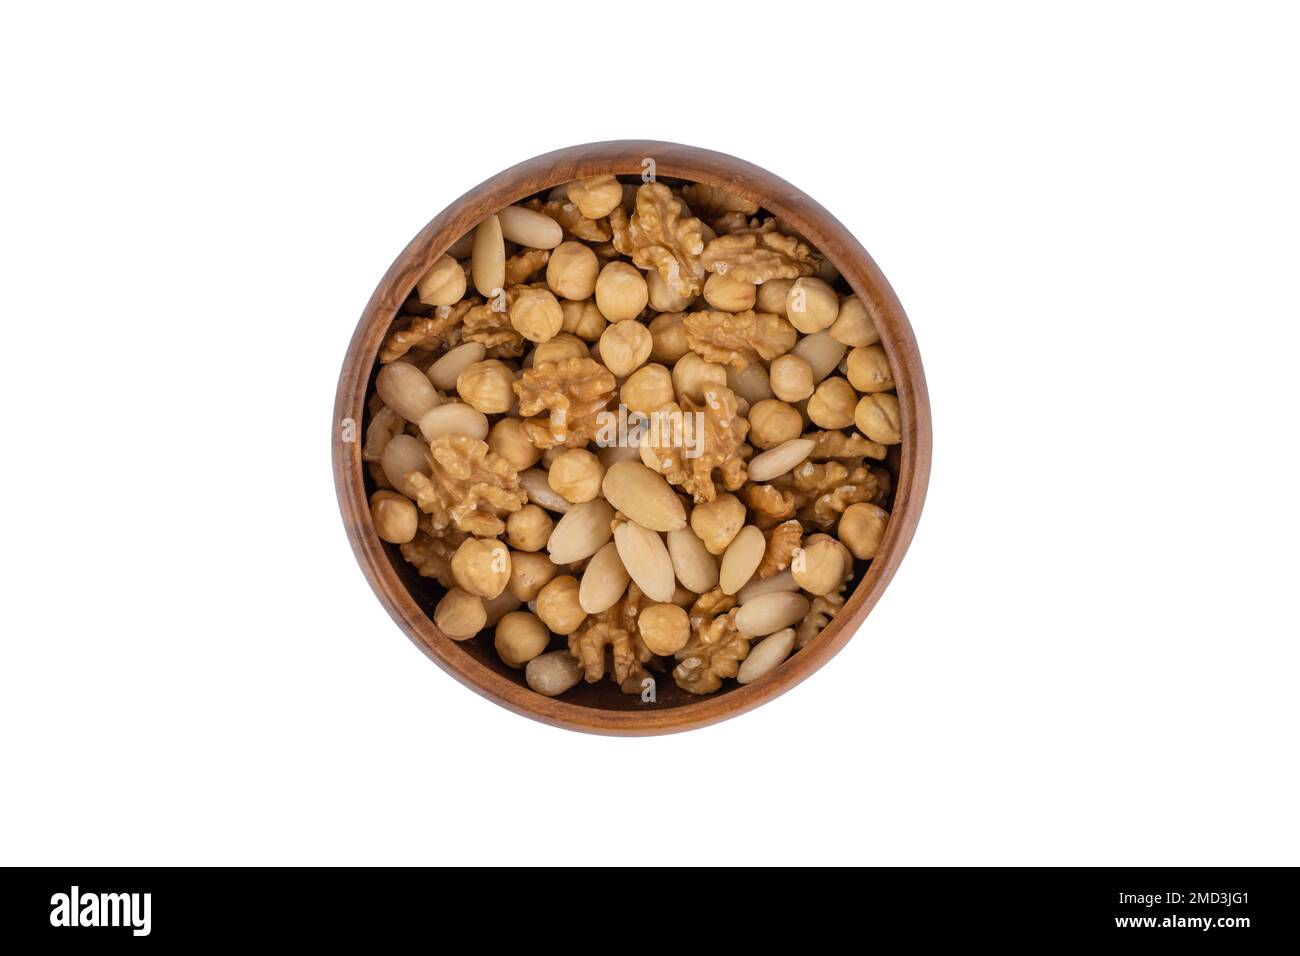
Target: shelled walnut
(750, 457)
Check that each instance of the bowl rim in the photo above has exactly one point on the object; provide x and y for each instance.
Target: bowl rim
(631, 157)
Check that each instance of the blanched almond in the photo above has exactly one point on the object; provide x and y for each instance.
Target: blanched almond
(488, 263)
(741, 559)
(822, 352)
(692, 563)
(582, 532)
(604, 580)
(769, 613)
(777, 461)
(644, 496)
(765, 656)
(778, 582)
(444, 372)
(646, 560)
(453, 418)
(537, 486)
(533, 230)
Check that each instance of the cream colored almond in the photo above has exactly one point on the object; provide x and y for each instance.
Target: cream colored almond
(604, 580)
(777, 461)
(552, 673)
(530, 229)
(692, 563)
(444, 372)
(488, 263)
(822, 352)
(406, 390)
(765, 656)
(778, 582)
(537, 486)
(454, 418)
(581, 532)
(741, 559)
(646, 560)
(769, 613)
(402, 455)
(644, 496)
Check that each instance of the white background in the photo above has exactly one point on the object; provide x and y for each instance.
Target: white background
(1089, 655)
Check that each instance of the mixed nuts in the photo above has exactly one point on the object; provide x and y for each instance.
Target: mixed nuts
(632, 429)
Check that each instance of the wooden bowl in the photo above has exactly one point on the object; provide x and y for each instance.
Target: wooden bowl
(601, 707)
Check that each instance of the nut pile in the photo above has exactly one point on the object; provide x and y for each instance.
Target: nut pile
(507, 436)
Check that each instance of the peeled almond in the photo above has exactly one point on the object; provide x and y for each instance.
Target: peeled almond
(582, 532)
(777, 461)
(741, 559)
(644, 496)
(646, 560)
(604, 580)
(769, 613)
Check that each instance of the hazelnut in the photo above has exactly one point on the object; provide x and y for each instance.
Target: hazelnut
(481, 566)
(862, 526)
(621, 292)
(665, 628)
(529, 528)
(773, 422)
(853, 326)
(443, 284)
(625, 346)
(811, 305)
(664, 297)
(520, 637)
(868, 369)
(571, 271)
(668, 337)
(460, 615)
(771, 296)
(728, 294)
(536, 315)
(648, 388)
(877, 416)
(718, 521)
(576, 474)
(563, 346)
(583, 319)
(395, 516)
(831, 406)
(818, 567)
(508, 439)
(529, 572)
(791, 377)
(487, 386)
(596, 196)
(557, 605)
(693, 376)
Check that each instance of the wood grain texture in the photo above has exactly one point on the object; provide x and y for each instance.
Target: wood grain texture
(603, 708)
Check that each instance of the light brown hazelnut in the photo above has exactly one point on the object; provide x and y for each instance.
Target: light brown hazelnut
(395, 516)
(832, 405)
(487, 386)
(557, 605)
(728, 294)
(877, 416)
(520, 637)
(647, 388)
(668, 337)
(625, 346)
(773, 422)
(460, 615)
(443, 284)
(718, 521)
(853, 326)
(811, 305)
(621, 292)
(818, 567)
(563, 346)
(536, 315)
(481, 566)
(771, 296)
(571, 271)
(529, 528)
(868, 369)
(791, 377)
(862, 526)
(583, 319)
(529, 573)
(665, 628)
(508, 439)
(663, 296)
(596, 196)
(692, 376)
(576, 474)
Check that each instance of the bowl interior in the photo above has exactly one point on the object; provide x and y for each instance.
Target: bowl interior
(601, 706)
